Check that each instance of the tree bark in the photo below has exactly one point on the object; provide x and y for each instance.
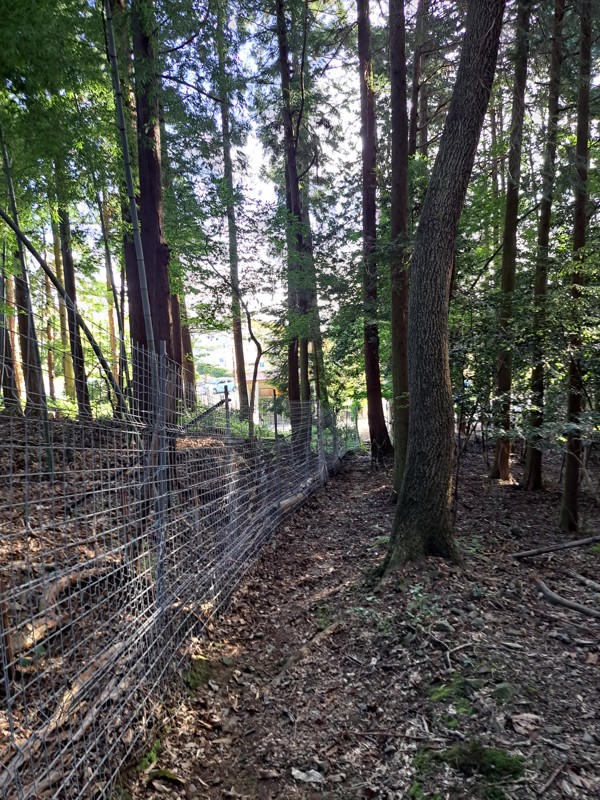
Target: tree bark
(421, 27)
(381, 445)
(11, 324)
(189, 369)
(30, 354)
(156, 251)
(569, 511)
(533, 477)
(10, 392)
(67, 361)
(81, 385)
(501, 466)
(49, 309)
(294, 234)
(230, 203)
(398, 233)
(423, 522)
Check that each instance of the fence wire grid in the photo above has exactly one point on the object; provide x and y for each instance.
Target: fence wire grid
(122, 534)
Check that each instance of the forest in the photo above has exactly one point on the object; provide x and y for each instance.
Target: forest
(397, 207)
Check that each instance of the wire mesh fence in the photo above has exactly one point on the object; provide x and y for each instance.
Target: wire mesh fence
(126, 522)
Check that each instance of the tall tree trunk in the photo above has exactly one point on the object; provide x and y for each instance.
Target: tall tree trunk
(314, 316)
(189, 369)
(156, 251)
(569, 511)
(398, 232)
(423, 521)
(30, 353)
(533, 478)
(230, 202)
(294, 234)
(50, 337)
(420, 31)
(10, 392)
(501, 466)
(67, 360)
(64, 225)
(380, 441)
(11, 324)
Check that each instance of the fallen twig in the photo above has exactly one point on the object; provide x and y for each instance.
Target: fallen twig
(542, 790)
(557, 600)
(554, 547)
(585, 581)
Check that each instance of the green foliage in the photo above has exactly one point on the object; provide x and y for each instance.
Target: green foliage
(151, 757)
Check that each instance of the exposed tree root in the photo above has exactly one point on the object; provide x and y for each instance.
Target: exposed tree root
(557, 600)
(583, 580)
(555, 547)
(61, 715)
(51, 621)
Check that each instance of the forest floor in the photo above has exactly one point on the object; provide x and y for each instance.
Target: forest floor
(444, 682)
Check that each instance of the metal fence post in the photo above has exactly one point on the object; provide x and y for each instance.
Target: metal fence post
(322, 459)
(162, 482)
(227, 412)
(277, 459)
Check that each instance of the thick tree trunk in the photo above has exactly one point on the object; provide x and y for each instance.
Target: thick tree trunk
(533, 478)
(398, 232)
(381, 445)
(295, 235)
(501, 466)
(569, 511)
(81, 385)
(230, 203)
(423, 523)
(156, 251)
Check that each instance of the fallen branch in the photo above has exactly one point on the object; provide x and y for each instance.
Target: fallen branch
(543, 789)
(555, 547)
(61, 715)
(39, 629)
(583, 580)
(557, 600)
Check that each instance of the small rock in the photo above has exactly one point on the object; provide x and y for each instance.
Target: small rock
(311, 776)
(478, 623)
(588, 738)
(227, 661)
(444, 626)
(504, 692)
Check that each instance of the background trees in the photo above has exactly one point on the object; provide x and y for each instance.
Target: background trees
(256, 193)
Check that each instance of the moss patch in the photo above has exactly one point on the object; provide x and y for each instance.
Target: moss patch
(198, 674)
(473, 758)
(151, 756)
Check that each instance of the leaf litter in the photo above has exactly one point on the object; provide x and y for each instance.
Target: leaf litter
(317, 684)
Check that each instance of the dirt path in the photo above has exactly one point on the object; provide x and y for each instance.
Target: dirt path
(313, 684)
